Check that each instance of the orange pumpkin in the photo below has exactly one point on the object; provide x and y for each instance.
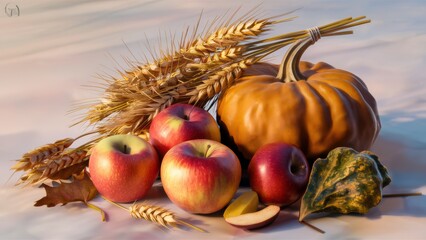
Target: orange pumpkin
(313, 106)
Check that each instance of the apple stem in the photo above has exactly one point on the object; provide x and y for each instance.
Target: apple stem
(402, 194)
(208, 147)
(190, 111)
(312, 226)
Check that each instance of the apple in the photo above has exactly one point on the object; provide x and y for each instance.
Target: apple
(179, 123)
(123, 168)
(279, 173)
(200, 176)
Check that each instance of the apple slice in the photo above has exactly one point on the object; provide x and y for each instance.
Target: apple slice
(246, 203)
(256, 219)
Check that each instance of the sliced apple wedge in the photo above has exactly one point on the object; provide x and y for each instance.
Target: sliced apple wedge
(246, 203)
(256, 219)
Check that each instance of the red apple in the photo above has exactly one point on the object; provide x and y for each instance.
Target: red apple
(279, 173)
(179, 123)
(123, 167)
(200, 176)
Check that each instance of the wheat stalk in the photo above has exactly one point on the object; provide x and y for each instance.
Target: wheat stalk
(47, 162)
(226, 36)
(214, 49)
(144, 134)
(155, 214)
(36, 156)
(49, 167)
(218, 82)
(135, 118)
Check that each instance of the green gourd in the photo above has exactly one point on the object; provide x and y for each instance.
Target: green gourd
(346, 181)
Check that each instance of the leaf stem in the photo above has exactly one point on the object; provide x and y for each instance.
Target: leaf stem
(312, 226)
(96, 208)
(402, 194)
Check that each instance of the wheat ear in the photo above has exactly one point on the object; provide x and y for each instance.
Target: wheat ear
(155, 214)
(53, 165)
(218, 81)
(36, 156)
(213, 49)
(135, 118)
(224, 37)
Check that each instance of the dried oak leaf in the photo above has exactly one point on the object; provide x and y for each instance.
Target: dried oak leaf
(81, 189)
(68, 172)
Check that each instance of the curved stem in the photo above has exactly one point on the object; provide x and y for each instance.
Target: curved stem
(289, 69)
(96, 208)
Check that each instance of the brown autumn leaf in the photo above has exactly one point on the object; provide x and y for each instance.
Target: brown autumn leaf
(81, 189)
(68, 172)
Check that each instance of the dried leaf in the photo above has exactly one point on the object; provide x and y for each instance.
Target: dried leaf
(68, 172)
(344, 182)
(81, 189)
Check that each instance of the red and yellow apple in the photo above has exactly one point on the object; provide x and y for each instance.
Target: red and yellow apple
(200, 176)
(123, 168)
(179, 123)
(279, 173)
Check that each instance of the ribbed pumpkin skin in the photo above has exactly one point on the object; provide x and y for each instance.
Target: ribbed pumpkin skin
(332, 108)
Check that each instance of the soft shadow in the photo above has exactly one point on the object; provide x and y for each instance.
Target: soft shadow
(414, 206)
(405, 160)
(403, 153)
(156, 192)
(285, 221)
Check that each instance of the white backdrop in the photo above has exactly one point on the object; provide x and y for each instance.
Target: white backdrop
(53, 48)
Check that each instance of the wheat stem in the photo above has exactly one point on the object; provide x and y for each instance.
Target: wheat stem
(154, 214)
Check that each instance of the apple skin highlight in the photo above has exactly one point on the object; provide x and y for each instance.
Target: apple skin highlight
(179, 123)
(279, 173)
(123, 168)
(200, 176)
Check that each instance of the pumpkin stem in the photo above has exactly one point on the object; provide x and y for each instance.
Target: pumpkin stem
(289, 69)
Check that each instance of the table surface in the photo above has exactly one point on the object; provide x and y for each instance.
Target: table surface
(52, 49)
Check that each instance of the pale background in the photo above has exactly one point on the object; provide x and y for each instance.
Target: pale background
(54, 48)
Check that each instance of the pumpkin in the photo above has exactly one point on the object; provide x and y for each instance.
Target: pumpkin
(315, 107)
